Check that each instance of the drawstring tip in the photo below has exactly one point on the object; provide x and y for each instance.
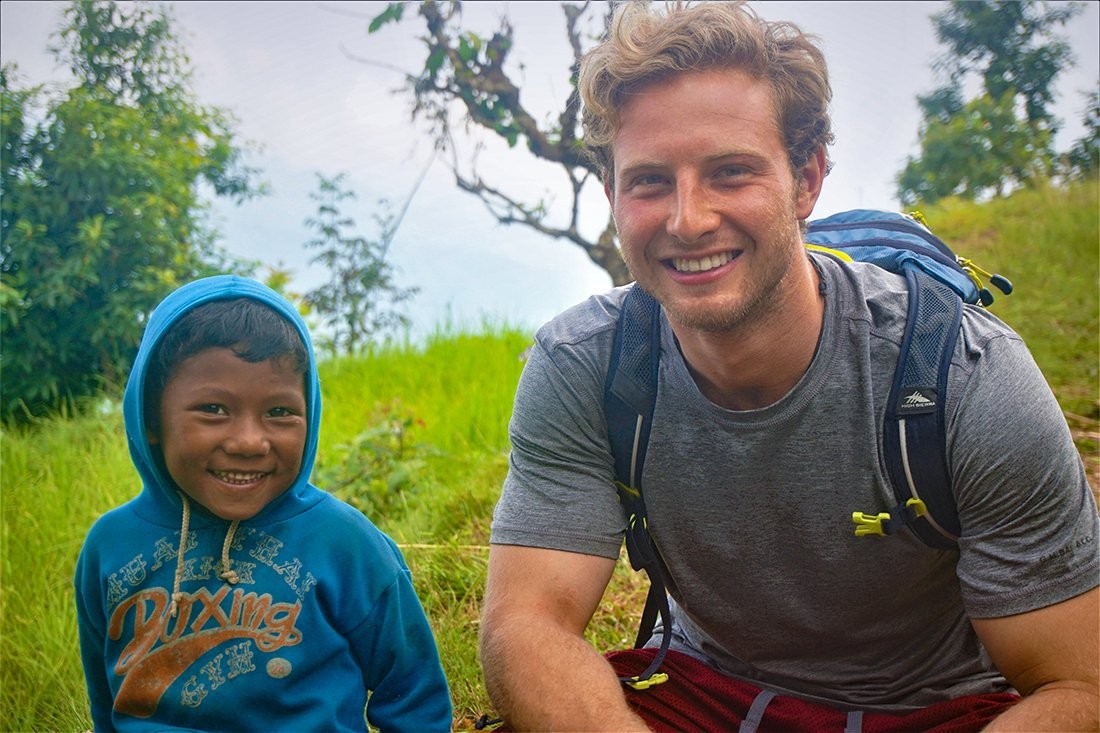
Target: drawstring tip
(230, 576)
(173, 608)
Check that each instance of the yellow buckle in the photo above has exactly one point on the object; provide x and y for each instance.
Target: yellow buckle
(656, 679)
(869, 524)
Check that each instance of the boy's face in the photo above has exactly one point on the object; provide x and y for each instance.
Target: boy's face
(232, 432)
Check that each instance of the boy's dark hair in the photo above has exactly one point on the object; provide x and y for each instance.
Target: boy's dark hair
(254, 331)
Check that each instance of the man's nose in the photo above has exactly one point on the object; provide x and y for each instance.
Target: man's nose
(693, 215)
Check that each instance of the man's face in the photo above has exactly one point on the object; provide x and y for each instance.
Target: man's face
(706, 204)
(232, 432)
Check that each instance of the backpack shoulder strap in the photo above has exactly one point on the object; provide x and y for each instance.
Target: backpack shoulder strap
(630, 393)
(914, 439)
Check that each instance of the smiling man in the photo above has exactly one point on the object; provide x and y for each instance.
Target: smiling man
(711, 126)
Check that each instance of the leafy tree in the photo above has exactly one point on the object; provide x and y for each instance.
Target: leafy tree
(359, 300)
(1010, 46)
(1083, 159)
(470, 72)
(999, 41)
(983, 145)
(102, 203)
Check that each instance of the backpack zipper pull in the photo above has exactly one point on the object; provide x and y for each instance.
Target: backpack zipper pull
(976, 273)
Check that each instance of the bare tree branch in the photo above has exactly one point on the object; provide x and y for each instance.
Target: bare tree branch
(464, 67)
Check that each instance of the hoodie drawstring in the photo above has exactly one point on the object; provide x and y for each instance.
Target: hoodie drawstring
(176, 593)
(229, 576)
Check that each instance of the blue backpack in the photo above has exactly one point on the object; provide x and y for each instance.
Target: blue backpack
(914, 435)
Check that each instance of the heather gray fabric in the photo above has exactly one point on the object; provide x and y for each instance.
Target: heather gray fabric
(751, 511)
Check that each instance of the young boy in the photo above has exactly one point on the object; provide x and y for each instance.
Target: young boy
(231, 593)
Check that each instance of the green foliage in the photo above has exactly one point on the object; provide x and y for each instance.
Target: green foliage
(462, 65)
(102, 209)
(983, 147)
(999, 40)
(392, 13)
(376, 469)
(59, 475)
(1003, 138)
(1082, 161)
(359, 300)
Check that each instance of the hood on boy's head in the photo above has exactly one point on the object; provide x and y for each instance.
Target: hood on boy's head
(157, 484)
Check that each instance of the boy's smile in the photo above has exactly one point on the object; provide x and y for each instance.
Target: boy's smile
(232, 432)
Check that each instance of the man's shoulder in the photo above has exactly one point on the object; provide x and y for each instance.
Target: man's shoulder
(865, 293)
(866, 278)
(571, 354)
(592, 318)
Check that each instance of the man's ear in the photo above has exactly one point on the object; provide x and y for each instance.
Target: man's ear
(810, 176)
(151, 437)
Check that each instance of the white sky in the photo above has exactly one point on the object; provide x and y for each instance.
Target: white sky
(283, 69)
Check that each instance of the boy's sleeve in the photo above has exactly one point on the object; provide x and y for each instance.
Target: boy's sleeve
(91, 627)
(397, 652)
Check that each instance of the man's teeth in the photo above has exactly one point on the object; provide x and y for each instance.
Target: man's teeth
(701, 264)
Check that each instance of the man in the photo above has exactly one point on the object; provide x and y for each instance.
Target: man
(710, 126)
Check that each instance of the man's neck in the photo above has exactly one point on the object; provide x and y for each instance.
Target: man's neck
(755, 365)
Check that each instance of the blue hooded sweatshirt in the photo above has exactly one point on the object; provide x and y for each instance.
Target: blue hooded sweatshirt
(322, 613)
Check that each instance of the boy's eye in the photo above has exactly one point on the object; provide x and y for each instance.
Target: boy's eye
(281, 412)
(211, 408)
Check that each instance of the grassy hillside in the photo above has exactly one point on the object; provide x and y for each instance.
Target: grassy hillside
(1047, 242)
(423, 431)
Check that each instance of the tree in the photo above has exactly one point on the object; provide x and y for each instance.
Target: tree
(469, 71)
(359, 300)
(983, 145)
(1083, 159)
(102, 193)
(1004, 137)
(999, 41)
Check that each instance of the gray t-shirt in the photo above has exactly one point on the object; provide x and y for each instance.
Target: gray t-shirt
(751, 511)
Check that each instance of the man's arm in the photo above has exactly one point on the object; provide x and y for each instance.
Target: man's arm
(540, 671)
(1050, 656)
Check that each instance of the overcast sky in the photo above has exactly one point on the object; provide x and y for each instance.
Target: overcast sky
(292, 74)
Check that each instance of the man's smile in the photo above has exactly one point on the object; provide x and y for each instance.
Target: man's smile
(702, 264)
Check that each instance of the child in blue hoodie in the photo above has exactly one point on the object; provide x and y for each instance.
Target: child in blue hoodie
(231, 594)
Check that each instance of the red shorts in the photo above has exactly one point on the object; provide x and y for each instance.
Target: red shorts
(697, 698)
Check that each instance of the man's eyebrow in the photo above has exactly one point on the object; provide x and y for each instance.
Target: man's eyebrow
(747, 156)
(641, 164)
(744, 156)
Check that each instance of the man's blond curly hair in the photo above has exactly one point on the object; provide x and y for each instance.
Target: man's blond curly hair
(644, 46)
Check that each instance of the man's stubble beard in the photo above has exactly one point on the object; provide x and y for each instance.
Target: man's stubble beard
(750, 306)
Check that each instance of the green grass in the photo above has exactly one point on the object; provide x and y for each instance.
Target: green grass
(453, 397)
(56, 480)
(1047, 242)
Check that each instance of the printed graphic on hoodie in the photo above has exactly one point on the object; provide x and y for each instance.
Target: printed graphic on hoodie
(160, 647)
